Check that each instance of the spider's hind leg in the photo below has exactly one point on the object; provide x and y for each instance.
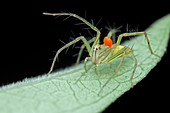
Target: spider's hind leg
(135, 34)
(134, 67)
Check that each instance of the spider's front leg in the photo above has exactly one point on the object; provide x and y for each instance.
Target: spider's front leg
(67, 45)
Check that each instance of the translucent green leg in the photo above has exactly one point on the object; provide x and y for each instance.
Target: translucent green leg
(85, 67)
(96, 70)
(133, 34)
(67, 45)
(83, 20)
(85, 61)
(126, 51)
(134, 67)
(117, 70)
(112, 33)
(82, 48)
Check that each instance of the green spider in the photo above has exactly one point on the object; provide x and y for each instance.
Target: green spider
(101, 53)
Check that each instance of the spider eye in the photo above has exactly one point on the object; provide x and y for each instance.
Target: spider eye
(107, 41)
(97, 47)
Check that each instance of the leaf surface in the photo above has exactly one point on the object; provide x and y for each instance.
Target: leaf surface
(59, 93)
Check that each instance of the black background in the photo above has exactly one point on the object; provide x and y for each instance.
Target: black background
(29, 39)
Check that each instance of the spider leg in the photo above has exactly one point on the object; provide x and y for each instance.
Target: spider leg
(134, 34)
(67, 45)
(112, 33)
(117, 70)
(85, 61)
(85, 67)
(83, 20)
(82, 48)
(134, 67)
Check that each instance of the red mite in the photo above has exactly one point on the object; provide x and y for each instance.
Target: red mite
(107, 41)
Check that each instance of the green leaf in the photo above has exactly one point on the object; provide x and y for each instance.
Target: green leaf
(59, 93)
